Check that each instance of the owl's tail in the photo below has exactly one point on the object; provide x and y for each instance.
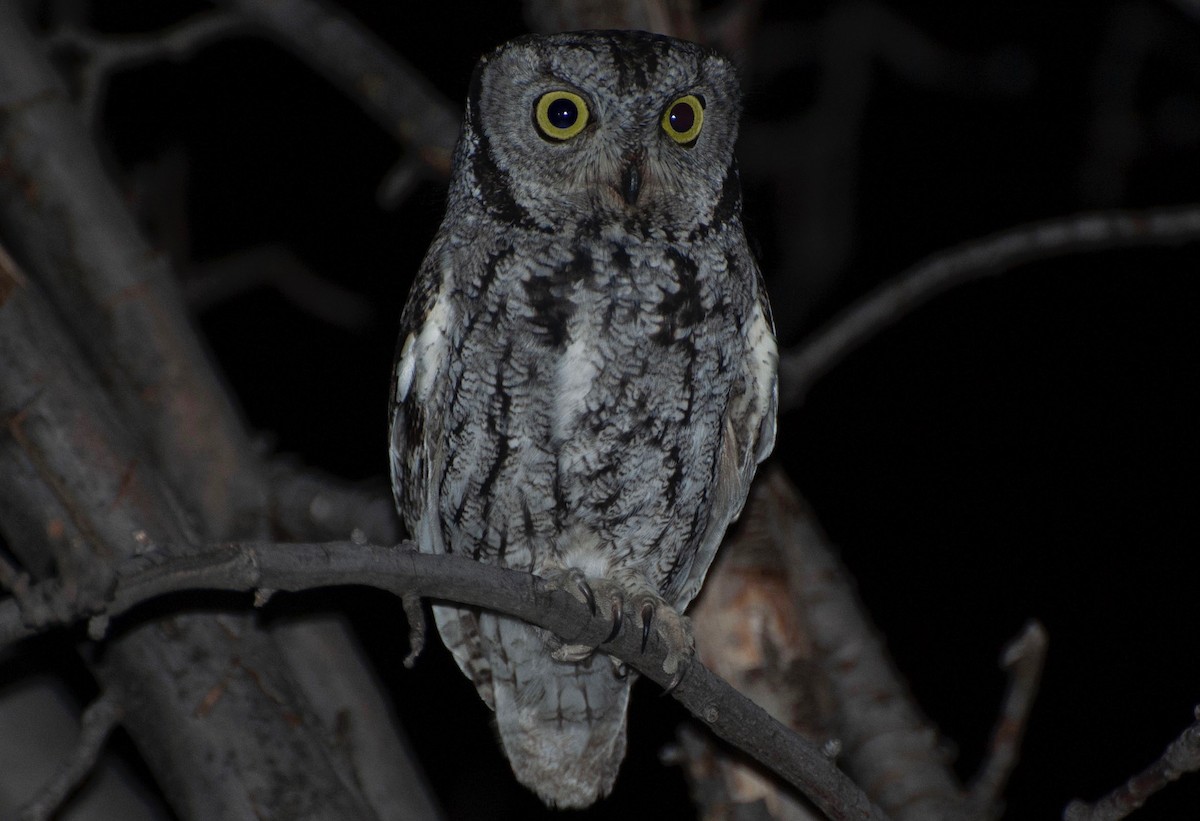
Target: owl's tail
(562, 724)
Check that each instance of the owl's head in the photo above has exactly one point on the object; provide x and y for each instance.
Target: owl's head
(609, 126)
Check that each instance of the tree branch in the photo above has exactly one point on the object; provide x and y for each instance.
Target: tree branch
(1181, 756)
(251, 566)
(386, 86)
(1050, 239)
(887, 744)
(105, 56)
(99, 720)
(1024, 659)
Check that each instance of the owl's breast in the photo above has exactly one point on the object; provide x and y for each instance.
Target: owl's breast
(587, 394)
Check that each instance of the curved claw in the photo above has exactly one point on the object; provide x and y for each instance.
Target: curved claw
(586, 590)
(621, 671)
(616, 618)
(675, 679)
(647, 615)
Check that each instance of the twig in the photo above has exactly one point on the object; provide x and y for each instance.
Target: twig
(277, 266)
(1181, 756)
(1024, 659)
(105, 56)
(1080, 233)
(251, 566)
(98, 721)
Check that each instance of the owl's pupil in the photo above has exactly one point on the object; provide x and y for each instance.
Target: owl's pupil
(682, 117)
(562, 113)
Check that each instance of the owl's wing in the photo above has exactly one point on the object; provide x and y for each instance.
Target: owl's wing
(417, 452)
(420, 366)
(748, 435)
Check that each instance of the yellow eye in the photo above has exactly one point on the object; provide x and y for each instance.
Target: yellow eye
(560, 115)
(683, 119)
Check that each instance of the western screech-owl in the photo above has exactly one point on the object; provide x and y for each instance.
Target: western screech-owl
(586, 375)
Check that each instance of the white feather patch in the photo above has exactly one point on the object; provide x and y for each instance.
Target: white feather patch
(576, 372)
(423, 357)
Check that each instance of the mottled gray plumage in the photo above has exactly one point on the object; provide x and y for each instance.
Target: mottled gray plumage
(586, 374)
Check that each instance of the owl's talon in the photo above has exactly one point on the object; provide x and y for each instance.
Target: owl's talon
(617, 620)
(621, 671)
(674, 631)
(680, 671)
(588, 595)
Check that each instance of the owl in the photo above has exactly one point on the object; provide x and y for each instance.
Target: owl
(585, 380)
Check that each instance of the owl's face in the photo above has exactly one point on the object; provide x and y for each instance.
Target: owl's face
(621, 127)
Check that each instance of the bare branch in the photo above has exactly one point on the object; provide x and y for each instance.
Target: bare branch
(99, 720)
(106, 56)
(1024, 659)
(1050, 239)
(253, 566)
(389, 89)
(1182, 756)
(277, 266)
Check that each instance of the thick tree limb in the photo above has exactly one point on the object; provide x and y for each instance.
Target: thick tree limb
(887, 744)
(248, 567)
(752, 629)
(100, 718)
(69, 224)
(1081, 233)
(64, 435)
(1182, 756)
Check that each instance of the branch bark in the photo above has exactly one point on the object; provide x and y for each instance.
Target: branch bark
(93, 481)
(123, 449)
(887, 744)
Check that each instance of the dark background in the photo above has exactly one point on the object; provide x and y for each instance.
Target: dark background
(1022, 447)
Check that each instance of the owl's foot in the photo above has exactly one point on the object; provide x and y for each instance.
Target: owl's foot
(657, 617)
(594, 593)
(672, 628)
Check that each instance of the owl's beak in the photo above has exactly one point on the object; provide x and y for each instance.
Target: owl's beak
(631, 179)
